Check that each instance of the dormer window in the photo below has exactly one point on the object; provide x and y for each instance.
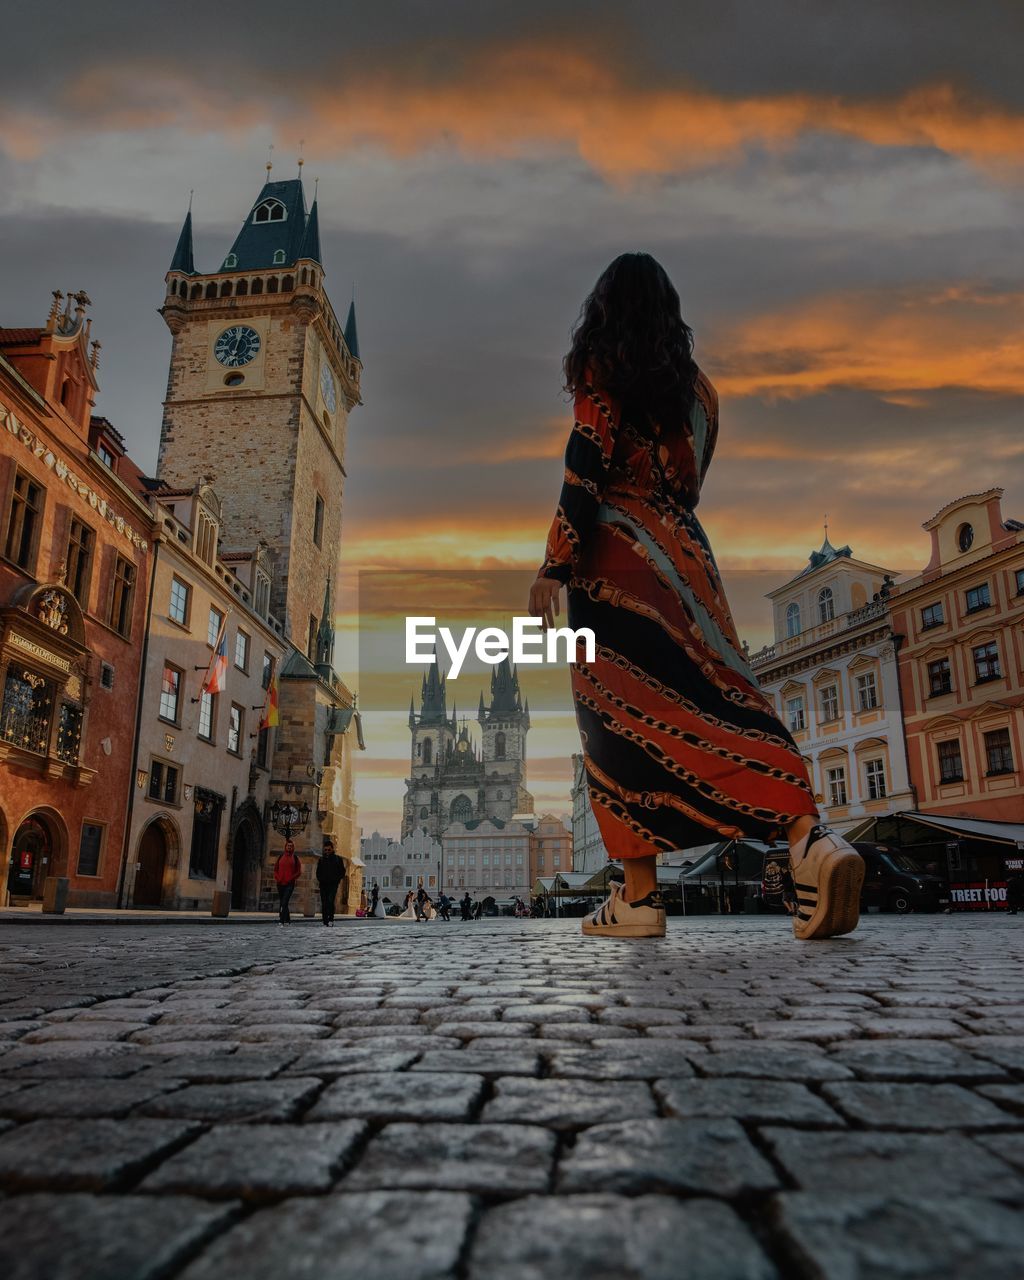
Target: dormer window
(230, 261)
(269, 211)
(278, 257)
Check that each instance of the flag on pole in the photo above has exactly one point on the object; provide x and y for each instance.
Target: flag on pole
(270, 716)
(217, 671)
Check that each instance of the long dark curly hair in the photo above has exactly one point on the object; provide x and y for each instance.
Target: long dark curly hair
(631, 342)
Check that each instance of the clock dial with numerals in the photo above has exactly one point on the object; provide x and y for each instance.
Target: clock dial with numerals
(327, 389)
(237, 346)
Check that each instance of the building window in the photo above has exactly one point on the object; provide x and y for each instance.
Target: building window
(90, 846)
(318, 520)
(122, 597)
(951, 765)
(1019, 579)
(932, 616)
(499, 746)
(556, 862)
(177, 609)
(836, 778)
(998, 752)
(965, 537)
(235, 722)
(78, 563)
(213, 626)
(278, 261)
(830, 703)
(106, 457)
(27, 711)
(269, 211)
(519, 859)
(986, 662)
(978, 598)
(206, 538)
(428, 750)
(207, 708)
(23, 521)
(311, 639)
(940, 679)
(262, 747)
(874, 771)
(69, 732)
(867, 692)
(242, 650)
(170, 693)
(230, 261)
(792, 620)
(163, 782)
(268, 669)
(202, 862)
(795, 714)
(262, 597)
(826, 605)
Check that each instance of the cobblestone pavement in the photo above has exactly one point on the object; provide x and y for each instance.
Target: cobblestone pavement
(509, 1101)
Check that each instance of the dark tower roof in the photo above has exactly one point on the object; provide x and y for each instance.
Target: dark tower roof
(351, 335)
(432, 697)
(184, 259)
(325, 637)
(505, 697)
(257, 242)
(310, 247)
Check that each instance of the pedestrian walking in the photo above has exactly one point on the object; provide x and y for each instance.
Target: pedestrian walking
(680, 744)
(444, 907)
(330, 872)
(287, 871)
(421, 902)
(466, 906)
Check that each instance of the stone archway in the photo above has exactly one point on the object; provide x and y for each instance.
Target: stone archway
(38, 851)
(156, 854)
(246, 862)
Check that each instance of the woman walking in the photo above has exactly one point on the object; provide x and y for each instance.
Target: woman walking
(287, 871)
(680, 744)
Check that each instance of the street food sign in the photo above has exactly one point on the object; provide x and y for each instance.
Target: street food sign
(978, 895)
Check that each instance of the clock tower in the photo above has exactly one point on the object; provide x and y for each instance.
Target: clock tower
(262, 379)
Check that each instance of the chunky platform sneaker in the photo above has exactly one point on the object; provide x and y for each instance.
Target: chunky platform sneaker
(827, 876)
(617, 918)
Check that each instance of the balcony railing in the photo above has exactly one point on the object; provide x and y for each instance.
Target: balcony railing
(835, 626)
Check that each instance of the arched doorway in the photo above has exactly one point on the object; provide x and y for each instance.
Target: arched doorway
(152, 863)
(35, 854)
(246, 865)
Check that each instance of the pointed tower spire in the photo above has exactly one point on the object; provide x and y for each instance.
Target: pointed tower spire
(184, 259)
(351, 335)
(433, 709)
(412, 712)
(481, 714)
(311, 238)
(325, 637)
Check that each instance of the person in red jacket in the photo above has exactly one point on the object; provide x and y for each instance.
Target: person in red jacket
(287, 870)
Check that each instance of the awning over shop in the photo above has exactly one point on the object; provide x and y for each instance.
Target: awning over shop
(1004, 833)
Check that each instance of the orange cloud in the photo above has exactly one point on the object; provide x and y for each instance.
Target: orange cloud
(502, 101)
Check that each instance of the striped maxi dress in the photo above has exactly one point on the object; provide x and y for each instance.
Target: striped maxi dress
(680, 744)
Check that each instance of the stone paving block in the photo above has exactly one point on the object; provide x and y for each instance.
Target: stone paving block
(713, 1157)
(915, 1028)
(825, 1030)
(420, 1095)
(472, 1030)
(165, 1049)
(193, 1032)
(641, 1016)
(15, 1030)
(586, 1032)
(68, 1053)
(247, 1064)
(1010, 1096)
(92, 1031)
(85, 1237)
(883, 1237)
(605, 1236)
(547, 1014)
(247, 1101)
(371, 1235)
(513, 1058)
(333, 1059)
(562, 1104)
(1007, 1146)
(90, 1155)
(709, 1033)
(489, 1159)
(915, 1106)
(642, 1060)
(912, 1060)
(903, 1163)
(82, 1098)
(754, 1101)
(260, 1161)
(774, 1062)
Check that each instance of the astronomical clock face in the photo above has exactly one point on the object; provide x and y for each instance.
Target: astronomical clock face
(327, 389)
(237, 346)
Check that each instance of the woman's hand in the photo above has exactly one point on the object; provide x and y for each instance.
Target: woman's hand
(544, 600)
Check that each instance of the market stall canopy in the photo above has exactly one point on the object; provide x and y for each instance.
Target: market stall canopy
(1007, 833)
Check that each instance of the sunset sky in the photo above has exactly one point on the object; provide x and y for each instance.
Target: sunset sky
(837, 190)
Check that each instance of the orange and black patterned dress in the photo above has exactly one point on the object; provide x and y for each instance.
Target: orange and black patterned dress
(681, 746)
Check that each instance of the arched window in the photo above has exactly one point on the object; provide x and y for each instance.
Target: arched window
(428, 751)
(230, 261)
(423, 811)
(197, 292)
(211, 290)
(278, 257)
(272, 285)
(303, 276)
(242, 289)
(270, 211)
(225, 289)
(257, 286)
(461, 810)
(287, 284)
(793, 620)
(183, 289)
(499, 746)
(826, 605)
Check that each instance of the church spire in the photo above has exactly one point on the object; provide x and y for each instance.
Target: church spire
(433, 709)
(184, 259)
(325, 637)
(505, 695)
(311, 237)
(351, 336)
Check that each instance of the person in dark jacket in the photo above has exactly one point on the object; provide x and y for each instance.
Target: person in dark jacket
(1015, 893)
(287, 871)
(330, 872)
(466, 906)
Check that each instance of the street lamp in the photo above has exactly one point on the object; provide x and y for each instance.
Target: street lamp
(289, 819)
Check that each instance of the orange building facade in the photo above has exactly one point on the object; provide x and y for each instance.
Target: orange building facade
(961, 663)
(75, 550)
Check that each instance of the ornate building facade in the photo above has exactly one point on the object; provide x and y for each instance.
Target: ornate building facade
(962, 662)
(832, 675)
(451, 779)
(75, 556)
(262, 379)
(396, 866)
